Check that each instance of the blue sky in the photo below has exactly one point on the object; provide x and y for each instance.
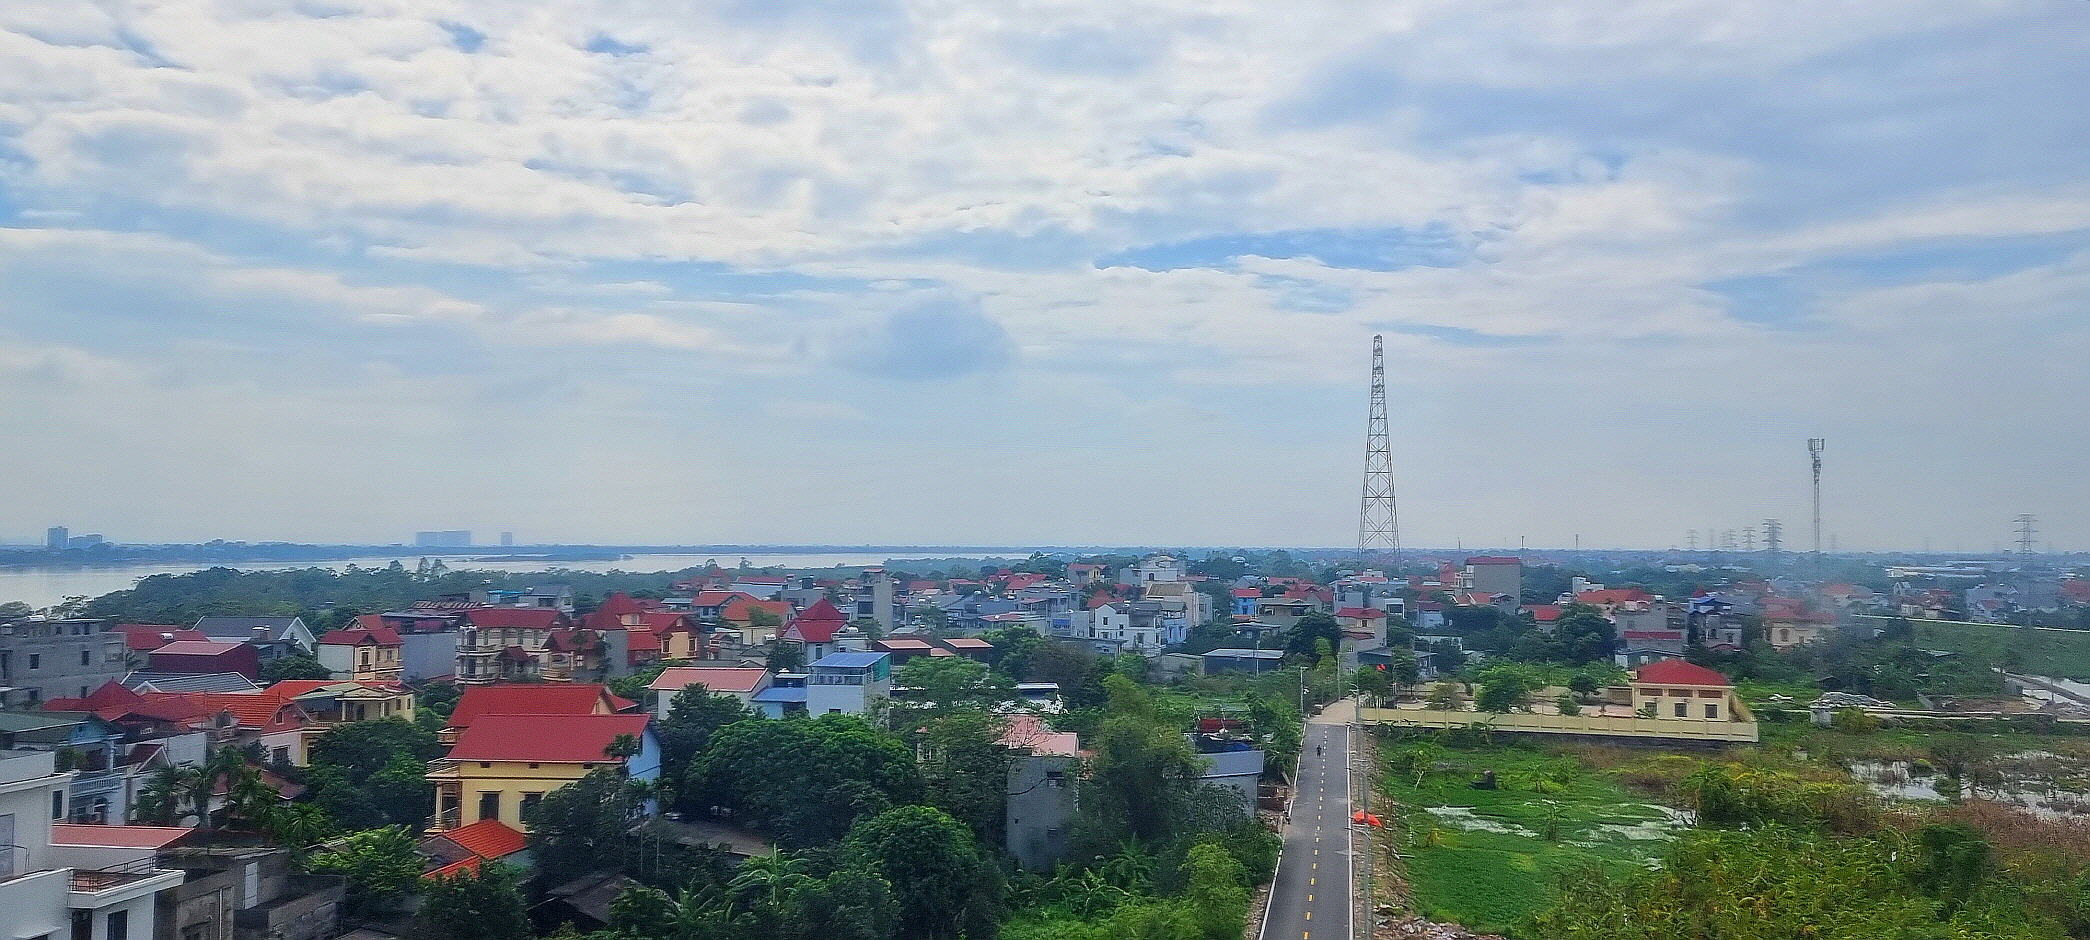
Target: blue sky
(1064, 273)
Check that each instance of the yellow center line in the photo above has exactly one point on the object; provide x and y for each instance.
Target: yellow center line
(1309, 898)
(1309, 915)
(1311, 880)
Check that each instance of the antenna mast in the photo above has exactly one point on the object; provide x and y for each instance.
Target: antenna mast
(1378, 521)
(1814, 449)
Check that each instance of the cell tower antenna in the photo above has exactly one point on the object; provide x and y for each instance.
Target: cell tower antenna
(1814, 449)
(2025, 531)
(1378, 520)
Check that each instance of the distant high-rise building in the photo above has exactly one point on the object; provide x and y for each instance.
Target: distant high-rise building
(507, 540)
(446, 538)
(55, 536)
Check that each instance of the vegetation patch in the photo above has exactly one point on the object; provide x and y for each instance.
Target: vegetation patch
(1488, 858)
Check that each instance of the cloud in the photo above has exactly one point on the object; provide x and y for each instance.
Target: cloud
(930, 341)
(1146, 226)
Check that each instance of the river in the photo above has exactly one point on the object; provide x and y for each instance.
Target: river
(43, 587)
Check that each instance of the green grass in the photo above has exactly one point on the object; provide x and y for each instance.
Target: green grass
(1489, 858)
(2060, 653)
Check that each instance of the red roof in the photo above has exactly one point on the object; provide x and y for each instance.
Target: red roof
(1544, 613)
(122, 837)
(533, 698)
(968, 643)
(1361, 613)
(529, 618)
(816, 624)
(1678, 672)
(146, 637)
(197, 648)
(247, 708)
(712, 678)
(488, 839)
(362, 636)
(560, 739)
(618, 604)
(1248, 592)
(1028, 733)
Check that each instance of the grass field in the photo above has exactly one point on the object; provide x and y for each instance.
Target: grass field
(1489, 858)
(2060, 653)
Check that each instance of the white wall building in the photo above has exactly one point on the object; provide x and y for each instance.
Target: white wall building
(42, 893)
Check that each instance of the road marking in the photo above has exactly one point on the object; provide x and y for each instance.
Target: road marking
(1310, 881)
(1309, 898)
(1309, 915)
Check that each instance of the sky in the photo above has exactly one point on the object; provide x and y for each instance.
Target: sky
(879, 271)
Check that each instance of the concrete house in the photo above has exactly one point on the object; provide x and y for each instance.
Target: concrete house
(47, 890)
(502, 765)
(273, 637)
(44, 659)
(368, 651)
(848, 683)
(1041, 791)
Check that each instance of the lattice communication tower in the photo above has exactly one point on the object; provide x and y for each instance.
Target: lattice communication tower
(1378, 521)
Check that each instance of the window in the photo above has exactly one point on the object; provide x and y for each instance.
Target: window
(280, 755)
(83, 925)
(1682, 708)
(1712, 710)
(57, 804)
(485, 764)
(119, 926)
(36, 660)
(529, 804)
(533, 765)
(489, 806)
(1055, 780)
(84, 658)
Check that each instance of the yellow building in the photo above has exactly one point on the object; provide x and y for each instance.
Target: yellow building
(503, 764)
(1677, 689)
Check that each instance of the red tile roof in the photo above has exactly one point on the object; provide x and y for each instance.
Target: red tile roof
(146, 637)
(968, 643)
(1678, 672)
(250, 710)
(123, 837)
(1028, 733)
(1361, 613)
(559, 739)
(528, 618)
(737, 611)
(816, 624)
(1544, 613)
(1248, 592)
(488, 839)
(533, 698)
(362, 636)
(712, 678)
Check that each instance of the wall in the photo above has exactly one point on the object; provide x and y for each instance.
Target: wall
(1040, 815)
(427, 655)
(56, 646)
(1595, 725)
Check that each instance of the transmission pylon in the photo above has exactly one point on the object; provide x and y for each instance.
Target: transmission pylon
(1773, 535)
(2025, 531)
(1378, 520)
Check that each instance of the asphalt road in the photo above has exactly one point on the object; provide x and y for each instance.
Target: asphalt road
(1310, 894)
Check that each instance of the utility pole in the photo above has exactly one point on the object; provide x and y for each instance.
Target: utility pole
(1378, 520)
(1814, 449)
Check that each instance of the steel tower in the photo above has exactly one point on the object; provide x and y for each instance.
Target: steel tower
(1814, 449)
(1378, 521)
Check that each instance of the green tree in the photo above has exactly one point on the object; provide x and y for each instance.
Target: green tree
(368, 774)
(785, 656)
(1013, 649)
(483, 905)
(293, 667)
(584, 826)
(1446, 696)
(1304, 637)
(804, 781)
(1217, 892)
(1502, 692)
(1583, 684)
(944, 886)
(1144, 782)
(637, 686)
(381, 865)
(694, 715)
(965, 770)
(931, 618)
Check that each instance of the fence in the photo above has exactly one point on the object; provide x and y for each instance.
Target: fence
(1594, 725)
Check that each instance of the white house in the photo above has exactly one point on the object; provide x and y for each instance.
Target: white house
(44, 890)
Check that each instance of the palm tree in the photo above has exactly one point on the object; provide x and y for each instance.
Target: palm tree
(160, 802)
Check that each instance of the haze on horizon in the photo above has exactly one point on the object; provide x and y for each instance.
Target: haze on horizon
(811, 272)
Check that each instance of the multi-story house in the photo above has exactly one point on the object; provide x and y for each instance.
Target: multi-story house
(44, 659)
(502, 765)
(505, 643)
(369, 651)
(1041, 791)
(91, 749)
(848, 683)
(45, 889)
